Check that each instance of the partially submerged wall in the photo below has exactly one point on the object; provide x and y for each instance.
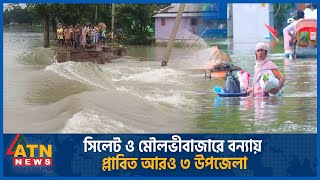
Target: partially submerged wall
(104, 55)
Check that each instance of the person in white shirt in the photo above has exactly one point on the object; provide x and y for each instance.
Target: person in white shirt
(308, 12)
(298, 15)
(289, 30)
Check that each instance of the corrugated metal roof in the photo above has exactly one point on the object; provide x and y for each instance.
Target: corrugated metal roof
(175, 15)
(189, 10)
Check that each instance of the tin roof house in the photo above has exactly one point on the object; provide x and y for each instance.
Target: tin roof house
(198, 20)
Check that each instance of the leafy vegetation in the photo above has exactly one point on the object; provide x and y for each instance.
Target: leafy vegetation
(18, 15)
(281, 15)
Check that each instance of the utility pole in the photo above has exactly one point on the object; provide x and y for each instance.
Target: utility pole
(112, 19)
(230, 20)
(230, 26)
(173, 35)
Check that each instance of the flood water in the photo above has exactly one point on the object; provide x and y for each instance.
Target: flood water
(134, 94)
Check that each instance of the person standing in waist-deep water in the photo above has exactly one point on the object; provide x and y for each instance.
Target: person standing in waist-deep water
(263, 64)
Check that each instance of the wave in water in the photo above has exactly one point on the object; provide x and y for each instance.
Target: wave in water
(171, 98)
(161, 85)
(90, 121)
(38, 56)
(150, 75)
(87, 73)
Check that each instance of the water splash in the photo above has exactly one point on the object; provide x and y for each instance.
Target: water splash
(87, 73)
(89, 121)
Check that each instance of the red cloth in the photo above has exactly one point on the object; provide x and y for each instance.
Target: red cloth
(272, 30)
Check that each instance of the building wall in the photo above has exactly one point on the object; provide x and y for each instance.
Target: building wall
(248, 22)
(164, 32)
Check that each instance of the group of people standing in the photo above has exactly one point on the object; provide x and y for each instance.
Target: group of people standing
(73, 36)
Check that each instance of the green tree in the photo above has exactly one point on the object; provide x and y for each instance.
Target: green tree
(43, 11)
(6, 17)
(23, 16)
(136, 20)
(280, 12)
(17, 15)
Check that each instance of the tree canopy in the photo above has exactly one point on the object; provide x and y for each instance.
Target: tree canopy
(18, 15)
(281, 15)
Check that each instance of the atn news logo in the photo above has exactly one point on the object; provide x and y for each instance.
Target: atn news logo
(29, 154)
